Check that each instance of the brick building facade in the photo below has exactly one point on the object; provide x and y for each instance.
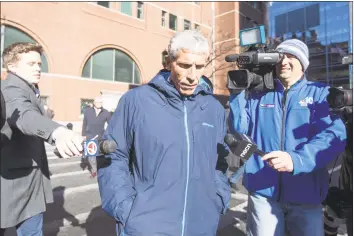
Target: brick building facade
(107, 48)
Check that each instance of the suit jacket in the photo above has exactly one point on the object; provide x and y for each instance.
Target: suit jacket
(3, 111)
(25, 182)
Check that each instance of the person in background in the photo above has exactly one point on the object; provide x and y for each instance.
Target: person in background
(95, 120)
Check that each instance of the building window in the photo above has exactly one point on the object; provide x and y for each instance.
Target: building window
(140, 10)
(10, 35)
(196, 26)
(173, 22)
(187, 25)
(84, 104)
(163, 19)
(104, 4)
(126, 8)
(255, 4)
(112, 65)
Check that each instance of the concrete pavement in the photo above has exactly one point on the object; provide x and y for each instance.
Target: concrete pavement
(76, 209)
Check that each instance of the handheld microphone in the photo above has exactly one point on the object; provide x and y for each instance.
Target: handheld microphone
(243, 147)
(95, 147)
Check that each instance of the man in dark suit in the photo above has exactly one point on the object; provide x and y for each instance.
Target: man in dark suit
(24, 175)
(96, 118)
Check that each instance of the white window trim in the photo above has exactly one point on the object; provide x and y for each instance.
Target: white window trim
(180, 17)
(114, 68)
(116, 11)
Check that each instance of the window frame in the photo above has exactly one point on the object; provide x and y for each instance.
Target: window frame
(189, 24)
(141, 9)
(87, 100)
(163, 18)
(2, 45)
(135, 78)
(175, 23)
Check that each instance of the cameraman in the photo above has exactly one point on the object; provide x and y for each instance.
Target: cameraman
(292, 123)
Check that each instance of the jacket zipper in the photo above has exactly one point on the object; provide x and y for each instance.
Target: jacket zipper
(283, 103)
(187, 181)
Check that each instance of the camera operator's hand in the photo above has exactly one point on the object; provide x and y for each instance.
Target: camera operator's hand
(67, 142)
(280, 161)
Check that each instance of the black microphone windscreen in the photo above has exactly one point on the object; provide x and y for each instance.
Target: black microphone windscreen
(108, 146)
(230, 140)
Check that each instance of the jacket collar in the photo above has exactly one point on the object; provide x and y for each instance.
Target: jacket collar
(298, 85)
(19, 79)
(162, 83)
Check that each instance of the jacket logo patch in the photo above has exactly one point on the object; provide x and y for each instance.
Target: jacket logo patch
(209, 125)
(267, 105)
(306, 101)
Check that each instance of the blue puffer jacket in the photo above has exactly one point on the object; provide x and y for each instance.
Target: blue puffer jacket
(296, 121)
(163, 178)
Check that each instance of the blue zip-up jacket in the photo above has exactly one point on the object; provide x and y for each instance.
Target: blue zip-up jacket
(163, 178)
(298, 122)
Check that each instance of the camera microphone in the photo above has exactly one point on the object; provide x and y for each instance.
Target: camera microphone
(231, 58)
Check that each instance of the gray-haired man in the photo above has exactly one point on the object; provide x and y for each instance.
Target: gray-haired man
(163, 178)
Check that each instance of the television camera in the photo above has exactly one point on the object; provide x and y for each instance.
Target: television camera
(339, 98)
(256, 65)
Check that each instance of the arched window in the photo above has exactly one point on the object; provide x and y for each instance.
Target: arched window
(10, 35)
(113, 65)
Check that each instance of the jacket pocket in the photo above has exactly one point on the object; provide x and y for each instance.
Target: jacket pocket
(139, 198)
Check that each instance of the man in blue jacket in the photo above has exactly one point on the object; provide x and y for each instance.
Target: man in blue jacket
(294, 125)
(163, 178)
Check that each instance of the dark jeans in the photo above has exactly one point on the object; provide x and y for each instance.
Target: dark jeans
(30, 227)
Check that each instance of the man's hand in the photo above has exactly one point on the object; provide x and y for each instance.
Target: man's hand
(280, 161)
(67, 142)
